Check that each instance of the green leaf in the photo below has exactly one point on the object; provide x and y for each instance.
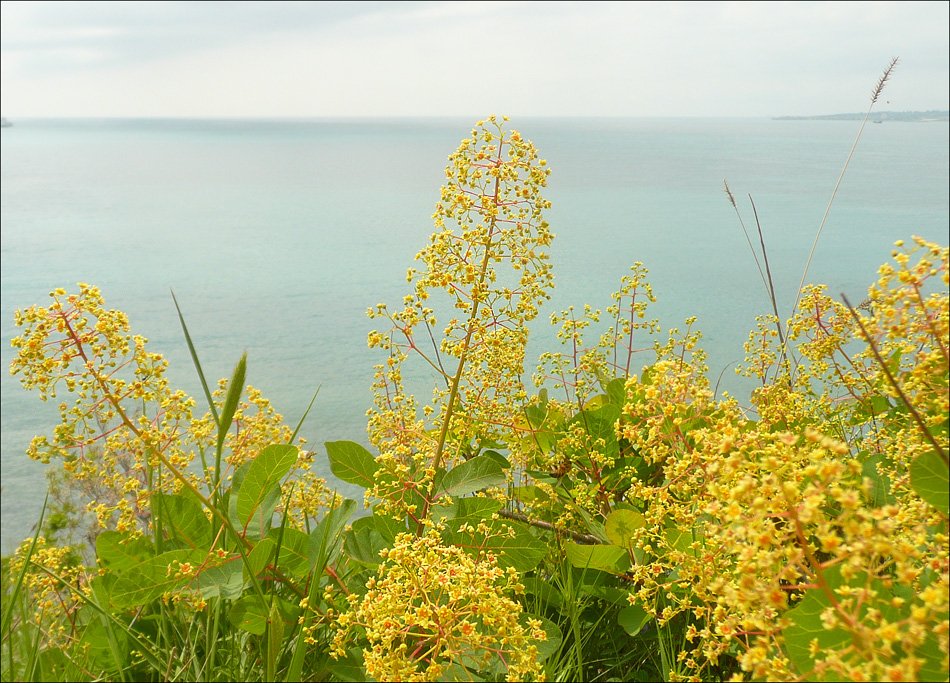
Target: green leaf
(103, 646)
(260, 556)
(596, 585)
(622, 525)
(548, 647)
(349, 669)
(235, 387)
(388, 527)
(363, 544)
(119, 551)
(523, 552)
(101, 587)
(541, 434)
(499, 458)
(633, 619)
(325, 538)
(930, 477)
(477, 508)
(472, 475)
(599, 425)
(880, 404)
(497, 668)
(352, 463)
(546, 590)
(682, 540)
(616, 391)
(225, 581)
(294, 551)
(530, 494)
(185, 521)
(442, 510)
(462, 670)
(260, 521)
(806, 625)
(270, 466)
(154, 577)
(231, 493)
(880, 493)
(606, 558)
(250, 614)
(543, 477)
(931, 667)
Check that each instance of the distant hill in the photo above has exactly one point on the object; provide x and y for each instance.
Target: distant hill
(878, 116)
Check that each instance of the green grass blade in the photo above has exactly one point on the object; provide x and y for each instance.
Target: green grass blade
(306, 412)
(32, 660)
(113, 646)
(8, 614)
(295, 670)
(194, 358)
(275, 640)
(235, 387)
(326, 539)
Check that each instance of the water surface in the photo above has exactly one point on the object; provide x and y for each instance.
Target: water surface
(276, 236)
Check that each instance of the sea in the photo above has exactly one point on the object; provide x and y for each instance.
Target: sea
(277, 235)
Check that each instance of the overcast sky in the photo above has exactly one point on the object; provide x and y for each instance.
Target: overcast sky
(271, 59)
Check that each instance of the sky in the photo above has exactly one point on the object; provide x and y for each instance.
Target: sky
(340, 59)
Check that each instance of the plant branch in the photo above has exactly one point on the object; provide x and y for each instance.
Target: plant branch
(913, 411)
(586, 539)
(463, 357)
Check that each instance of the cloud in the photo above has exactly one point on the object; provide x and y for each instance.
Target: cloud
(52, 35)
(468, 58)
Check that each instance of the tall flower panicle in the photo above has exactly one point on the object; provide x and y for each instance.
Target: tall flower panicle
(124, 412)
(486, 263)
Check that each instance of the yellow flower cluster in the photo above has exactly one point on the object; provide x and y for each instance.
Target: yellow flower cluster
(124, 418)
(123, 414)
(52, 569)
(761, 521)
(788, 538)
(812, 554)
(433, 609)
(489, 216)
(579, 370)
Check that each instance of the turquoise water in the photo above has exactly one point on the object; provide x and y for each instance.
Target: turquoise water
(276, 236)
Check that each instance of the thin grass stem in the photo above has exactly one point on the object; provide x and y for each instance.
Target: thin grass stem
(875, 94)
(732, 200)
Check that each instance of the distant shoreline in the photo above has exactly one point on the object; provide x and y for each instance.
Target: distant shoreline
(878, 117)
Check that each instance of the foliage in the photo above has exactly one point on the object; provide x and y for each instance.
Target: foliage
(620, 523)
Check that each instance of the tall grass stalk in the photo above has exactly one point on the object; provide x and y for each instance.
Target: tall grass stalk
(875, 95)
(766, 274)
